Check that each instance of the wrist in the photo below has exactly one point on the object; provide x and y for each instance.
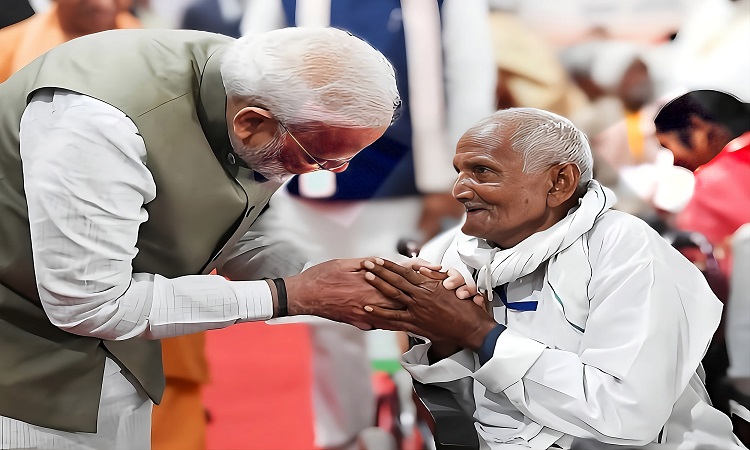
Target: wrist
(487, 350)
(274, 296)
(293, 296)
(476, 339)
(441, 350)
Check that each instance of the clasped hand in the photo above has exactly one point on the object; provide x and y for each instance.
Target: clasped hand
(434, 304)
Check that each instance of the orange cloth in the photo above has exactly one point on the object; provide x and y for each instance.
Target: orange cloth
(635, 135)
(179, 422)
(184, 358)
(24, 41)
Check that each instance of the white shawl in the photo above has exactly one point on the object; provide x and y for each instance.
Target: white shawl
(562, 244)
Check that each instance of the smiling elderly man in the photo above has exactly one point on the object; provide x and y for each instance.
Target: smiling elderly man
(594, 327)
(142, 160)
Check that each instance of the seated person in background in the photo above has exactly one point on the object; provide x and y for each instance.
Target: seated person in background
(709, 133)
(588, 324)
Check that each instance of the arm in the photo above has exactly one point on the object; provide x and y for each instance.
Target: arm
(86, 186)
(259, 255)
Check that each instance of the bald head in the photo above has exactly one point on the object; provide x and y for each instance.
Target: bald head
(544, 139)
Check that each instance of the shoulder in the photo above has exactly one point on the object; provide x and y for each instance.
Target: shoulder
(617, 231)
(620, 223)
(10, 38)
(15, 31)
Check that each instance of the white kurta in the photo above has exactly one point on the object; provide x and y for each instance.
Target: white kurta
(628, 376)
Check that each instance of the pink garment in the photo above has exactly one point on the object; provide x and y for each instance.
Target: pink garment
(721, 202)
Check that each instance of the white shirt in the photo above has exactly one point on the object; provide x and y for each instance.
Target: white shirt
(629, 376)
(86, 186)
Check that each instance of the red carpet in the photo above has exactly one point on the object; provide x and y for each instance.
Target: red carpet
(259, 396)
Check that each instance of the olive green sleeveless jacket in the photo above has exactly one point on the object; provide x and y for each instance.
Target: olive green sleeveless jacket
(168, 83)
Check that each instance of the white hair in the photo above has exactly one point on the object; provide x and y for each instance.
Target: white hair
(305, 75)
(543, 138)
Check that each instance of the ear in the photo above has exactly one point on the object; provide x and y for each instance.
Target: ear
(700, 132)
(564, 179)
(254, 125)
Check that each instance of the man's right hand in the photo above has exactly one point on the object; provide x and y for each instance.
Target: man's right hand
(335, 290)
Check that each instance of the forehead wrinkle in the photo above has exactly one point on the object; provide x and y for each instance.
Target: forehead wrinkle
(485, 136)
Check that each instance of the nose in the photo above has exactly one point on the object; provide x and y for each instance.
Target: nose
(341, 168)
(461, 191)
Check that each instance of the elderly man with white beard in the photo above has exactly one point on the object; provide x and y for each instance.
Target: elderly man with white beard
(132, 166)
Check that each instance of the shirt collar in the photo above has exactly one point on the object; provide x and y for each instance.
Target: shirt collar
(211, 108)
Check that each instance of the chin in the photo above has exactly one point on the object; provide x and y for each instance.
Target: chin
(276, 177)
(264, 160)
(470, 230)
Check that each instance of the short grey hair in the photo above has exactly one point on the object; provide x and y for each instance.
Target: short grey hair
(305, 75)
(543, 138)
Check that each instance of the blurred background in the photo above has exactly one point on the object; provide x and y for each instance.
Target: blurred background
(608, 65)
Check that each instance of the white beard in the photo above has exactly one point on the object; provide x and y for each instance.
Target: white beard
(264, 160)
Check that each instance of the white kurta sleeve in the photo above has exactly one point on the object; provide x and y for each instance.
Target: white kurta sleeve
(258, 255)
(652, 316)
(86, 186)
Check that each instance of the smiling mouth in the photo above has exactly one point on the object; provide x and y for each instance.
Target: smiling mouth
(471, 208)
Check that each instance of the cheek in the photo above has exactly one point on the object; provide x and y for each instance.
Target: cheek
(291, 163)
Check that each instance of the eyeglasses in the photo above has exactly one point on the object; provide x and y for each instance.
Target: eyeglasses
(328, 164)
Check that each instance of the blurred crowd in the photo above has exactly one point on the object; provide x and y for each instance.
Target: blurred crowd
(607, 65)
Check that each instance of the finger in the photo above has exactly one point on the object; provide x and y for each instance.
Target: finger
(465, 292)
(347, 265)
(418, 263)
(480, 300)
(432, 274)
(362, 325)
(388, 314)
(454, 279)
(389, 291)
(397, 276)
